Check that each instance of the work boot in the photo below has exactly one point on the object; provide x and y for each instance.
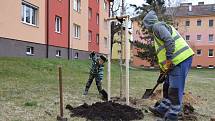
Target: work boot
(156, 112)
(160, 108)
(175, 108)
(85, 92)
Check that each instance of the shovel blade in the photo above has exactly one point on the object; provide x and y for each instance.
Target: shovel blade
(147, 94)
(104, 95)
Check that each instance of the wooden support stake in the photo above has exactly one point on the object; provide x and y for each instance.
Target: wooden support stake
(127, 46)
(60, 118)
(109, 60)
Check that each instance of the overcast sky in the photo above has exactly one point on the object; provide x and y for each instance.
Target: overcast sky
(139, 2)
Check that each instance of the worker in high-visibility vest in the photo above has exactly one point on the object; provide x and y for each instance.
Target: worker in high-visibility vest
(175, 56)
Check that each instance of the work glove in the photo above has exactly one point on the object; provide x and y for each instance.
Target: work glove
(168, 65)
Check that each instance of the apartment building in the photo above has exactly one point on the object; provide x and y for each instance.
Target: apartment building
(196, 24)
(53, 28)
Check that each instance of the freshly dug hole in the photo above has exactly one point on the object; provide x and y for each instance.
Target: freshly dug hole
(106, 111)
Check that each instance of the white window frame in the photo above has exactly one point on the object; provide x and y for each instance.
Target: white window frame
(200, 37)
(58, 28)
(90, 13)
(97, 39)
(77, 31)
(58, 53)
(106, 42)
(209, 38)
(209, 22)
(90, 36)
(105, 5)
(199, 66)
(197, 52)
(209, 53)
(210, 66)
(186, 23)
(77, 5)
(199, 21)
(33, 9)
(76, 55)
(97, 18)
(186, 37)
(31, 52)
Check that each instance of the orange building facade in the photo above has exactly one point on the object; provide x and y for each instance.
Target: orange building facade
(196, 23)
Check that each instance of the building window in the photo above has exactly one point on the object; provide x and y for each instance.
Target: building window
(90, 13)
(210, 38)
(105, 5)
(187, 37)
(199, 66)
(106, 42)
(198, 52)
(199, 37)
(210, 53)
(211, 66)
(77, 31)
(97, 18)
(58, 53)
(77, 5)
(97, 38)
(199, 22)
(76, 56)
(211, 23)
(90, 36)
(187, 23)
(29, 14)
(58, 23)
(30, 50)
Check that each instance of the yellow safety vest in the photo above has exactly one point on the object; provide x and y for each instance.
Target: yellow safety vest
(182, 50)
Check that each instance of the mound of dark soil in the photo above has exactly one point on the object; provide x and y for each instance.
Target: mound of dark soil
(106, 111)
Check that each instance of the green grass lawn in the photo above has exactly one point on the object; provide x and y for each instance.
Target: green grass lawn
(29, 87)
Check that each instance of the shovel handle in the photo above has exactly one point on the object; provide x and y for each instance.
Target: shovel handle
(154, 88)
(160, 77)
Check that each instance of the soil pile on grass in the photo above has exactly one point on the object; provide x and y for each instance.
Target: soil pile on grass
(106, 111)
(188, 97)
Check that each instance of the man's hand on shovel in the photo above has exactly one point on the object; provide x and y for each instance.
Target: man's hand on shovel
(168, 66)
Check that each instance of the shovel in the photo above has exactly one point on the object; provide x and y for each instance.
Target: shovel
(149, 92)
(104, 95)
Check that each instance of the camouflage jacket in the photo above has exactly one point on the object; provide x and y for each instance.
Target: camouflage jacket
(96, 68)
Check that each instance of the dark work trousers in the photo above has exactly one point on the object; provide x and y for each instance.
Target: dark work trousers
(98, 82)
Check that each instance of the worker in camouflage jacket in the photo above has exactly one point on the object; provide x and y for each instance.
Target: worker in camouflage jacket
(96, 72)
